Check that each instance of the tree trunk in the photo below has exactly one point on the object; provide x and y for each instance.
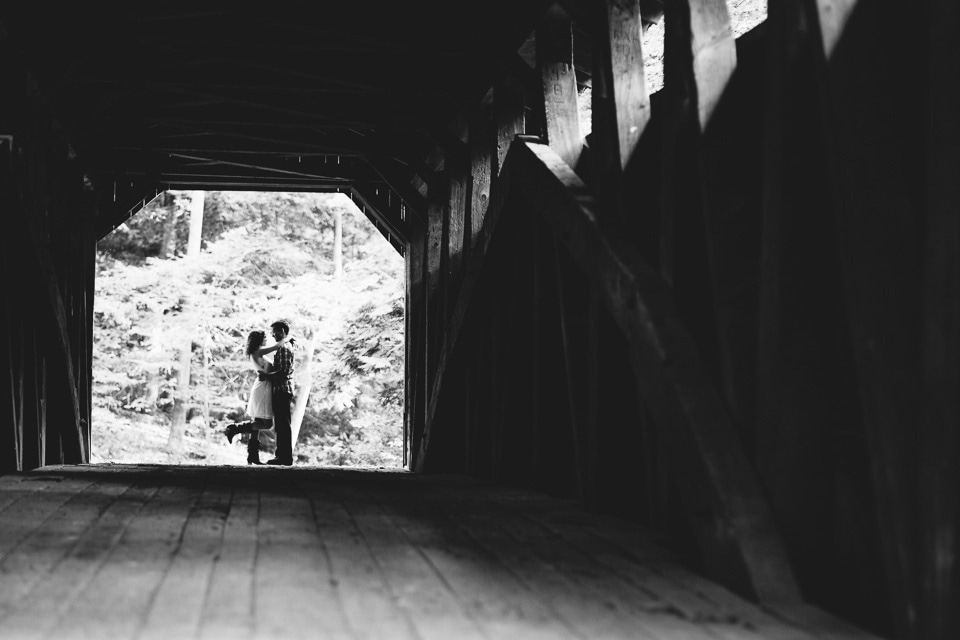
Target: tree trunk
(156, 355)
(178, 418)
(167, 242)
(338, 245)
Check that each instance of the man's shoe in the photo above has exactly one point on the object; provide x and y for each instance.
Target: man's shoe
(251, 460)
(278, 461)
(232, 430)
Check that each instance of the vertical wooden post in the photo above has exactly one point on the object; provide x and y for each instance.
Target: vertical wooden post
(415, 349)
(711, 197)
(881, 275)
(481, 170)
(683, 241)
(457, 233)
(620, 105)
(803, 362)
(940, 436)
(571, 294)
(538, 450)
(555, 63)
(509, 117)
(436, 213)
(433, 324)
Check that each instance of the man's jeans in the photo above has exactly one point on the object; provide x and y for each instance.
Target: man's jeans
(282, 402)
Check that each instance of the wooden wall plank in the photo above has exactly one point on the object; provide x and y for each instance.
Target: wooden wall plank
(457, 230)
(509, 116)
(879, 240)
(806, 411)
(415, 345)
(460, 306)
(940, 440)
(574, 313)
(481, 143)
(55, 309)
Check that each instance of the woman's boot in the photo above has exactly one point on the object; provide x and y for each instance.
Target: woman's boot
(253, 448)
(231, 431)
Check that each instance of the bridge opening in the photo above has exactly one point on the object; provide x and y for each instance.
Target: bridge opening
(181, 285)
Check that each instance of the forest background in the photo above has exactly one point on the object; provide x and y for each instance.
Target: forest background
(175, 302)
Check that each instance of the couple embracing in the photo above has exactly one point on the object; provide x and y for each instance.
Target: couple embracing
(271, 395)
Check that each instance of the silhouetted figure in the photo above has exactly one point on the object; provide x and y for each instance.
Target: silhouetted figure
(281, 377)
(260, 402)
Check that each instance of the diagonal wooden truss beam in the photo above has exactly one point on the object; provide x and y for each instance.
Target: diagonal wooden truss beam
(373, 207)
(732, 520)
(731, 517)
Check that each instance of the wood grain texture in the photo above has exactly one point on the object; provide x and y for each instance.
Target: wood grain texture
(308, 552)
(621, 106)
(559, 82)
(508, 116)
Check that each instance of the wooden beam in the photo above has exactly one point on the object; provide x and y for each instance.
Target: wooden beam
(457, 221)
(481, 142)
(436, 129)
(805, 394)
(414, 318)
(704, 28)
(704, 219)
(736, 532)
(940, 440)
(574, 328)
(878, 230)
(621, 107)
(119, 198)
(464, 295)
(393, 174)
(436, 212)
(61, 347)
(508, 116)
(221, 140)
(369, 201)
(555, 63)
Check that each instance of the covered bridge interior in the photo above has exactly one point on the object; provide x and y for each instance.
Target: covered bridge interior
(693, 374)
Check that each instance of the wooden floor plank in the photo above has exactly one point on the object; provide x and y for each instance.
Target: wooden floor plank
(421, 593)
(588, 607)
(294, 591)
(654, 611)
(178, 605)
(370, 606)
(25, 516)
(38, 553)
(504, 605)
(126, 551)
(229, 607)
(41, 609)
(636, 559)
(116, 600)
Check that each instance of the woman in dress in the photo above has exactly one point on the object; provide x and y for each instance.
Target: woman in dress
(259, 405)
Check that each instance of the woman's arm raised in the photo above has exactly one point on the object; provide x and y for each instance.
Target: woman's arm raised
(265, 350)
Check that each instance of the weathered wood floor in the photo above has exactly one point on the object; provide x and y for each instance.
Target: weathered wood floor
(231, 552)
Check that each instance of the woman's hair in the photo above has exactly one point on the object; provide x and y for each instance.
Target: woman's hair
(254, 341)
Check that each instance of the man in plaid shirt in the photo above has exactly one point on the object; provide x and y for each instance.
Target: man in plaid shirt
(282, 383)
